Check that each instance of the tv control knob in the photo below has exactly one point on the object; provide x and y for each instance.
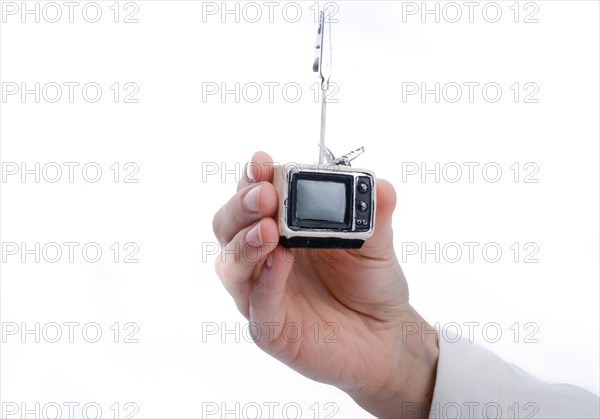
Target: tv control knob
(362, 206)
(363, 187)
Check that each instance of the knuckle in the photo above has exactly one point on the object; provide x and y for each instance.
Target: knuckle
(221, 269)
(216, 225)
(224, 272)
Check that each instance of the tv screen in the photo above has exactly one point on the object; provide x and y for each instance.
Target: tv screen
(321, 201)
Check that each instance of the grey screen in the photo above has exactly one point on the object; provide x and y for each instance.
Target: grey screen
(321, 201)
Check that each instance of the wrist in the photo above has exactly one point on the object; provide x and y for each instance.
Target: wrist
(406, 390)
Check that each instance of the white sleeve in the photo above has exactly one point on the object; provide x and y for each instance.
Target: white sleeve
(474, 383)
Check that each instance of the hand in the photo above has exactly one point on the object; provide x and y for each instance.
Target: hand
(349, 308)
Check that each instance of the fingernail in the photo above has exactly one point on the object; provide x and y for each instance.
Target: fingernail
(253, 236)
(250, 171)
(270, 261)
(251, 199)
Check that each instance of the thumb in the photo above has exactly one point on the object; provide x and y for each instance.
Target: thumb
(381, 243)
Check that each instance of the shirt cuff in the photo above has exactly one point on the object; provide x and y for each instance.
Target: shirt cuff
(475, 383)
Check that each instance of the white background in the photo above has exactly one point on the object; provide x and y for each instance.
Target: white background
(178, 140)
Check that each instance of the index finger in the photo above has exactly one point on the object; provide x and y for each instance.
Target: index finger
(258, 169)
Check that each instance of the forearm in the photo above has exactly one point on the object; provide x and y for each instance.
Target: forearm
(407, 391)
